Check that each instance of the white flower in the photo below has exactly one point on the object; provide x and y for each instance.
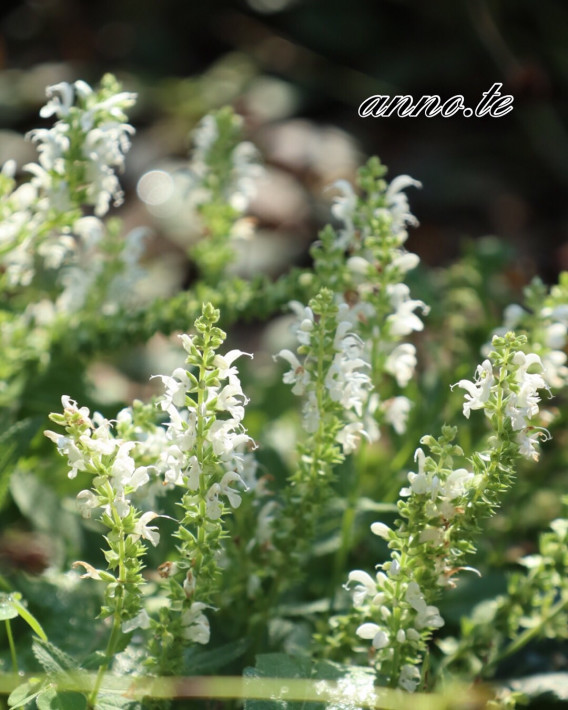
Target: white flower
(231, 399)
(523, 405)
(194, 473)
(345, 380)
(310, 413)
(142, 529)
(60, 100)
(409, 678)
(195, 625)
(343, 209)
(67, 447)
(555, 371)
(457, 483)
(350, 436)
(297, 376)
(224, 439)
(303, 328)
(87, 501)
(375, 632)
(225, 364)
(405, 261)
(233, 496)
(401, 363)
(421, 483)
(404, 321)
(427, 616)
(397, 410)
(246, 172)
(528, 442)
(398, 203)
(176, 388)
(140, 621)
(366, 586)
(381, 530)
(478, 391)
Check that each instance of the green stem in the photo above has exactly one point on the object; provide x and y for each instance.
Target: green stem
(114, 636)
(531, 633)
(12, 646)
(116, 626)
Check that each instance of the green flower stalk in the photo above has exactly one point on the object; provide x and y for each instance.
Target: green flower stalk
(203, 456)
(365, 264)
(328, 370)
(224, 171)
(441, 511)
(59, 261)
(91, 448)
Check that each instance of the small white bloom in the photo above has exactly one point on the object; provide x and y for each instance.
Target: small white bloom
(87, 501)
(409, 678)
(195, 624)
(224, 488)
(397, 410)
(403, 320)
(366, 586)
(140, 621)
(401, 363)
(297, 376)
(478, 392)
(381, 530)
(376, 633)
(146, 531)
(350, 436)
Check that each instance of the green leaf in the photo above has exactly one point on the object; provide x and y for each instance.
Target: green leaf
(51, 699)
(7, 608)
(30, 620)
(199, 662)
(116, 701)
(14, 443)
(51, 658)
(24, 694)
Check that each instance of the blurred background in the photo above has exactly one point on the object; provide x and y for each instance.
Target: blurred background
(297, 70)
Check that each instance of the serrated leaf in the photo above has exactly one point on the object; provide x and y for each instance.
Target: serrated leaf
(51, 658)
(51, 699)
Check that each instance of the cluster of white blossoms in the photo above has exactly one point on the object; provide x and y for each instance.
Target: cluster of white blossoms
(346, 378)
(373, 233)
(195, 433)
(395, 209)
(91, 447)
(521, 397)
(549, 336)
(413, 616)
(43, 229)
(216, 134)
(88, 142)
(439, 509)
